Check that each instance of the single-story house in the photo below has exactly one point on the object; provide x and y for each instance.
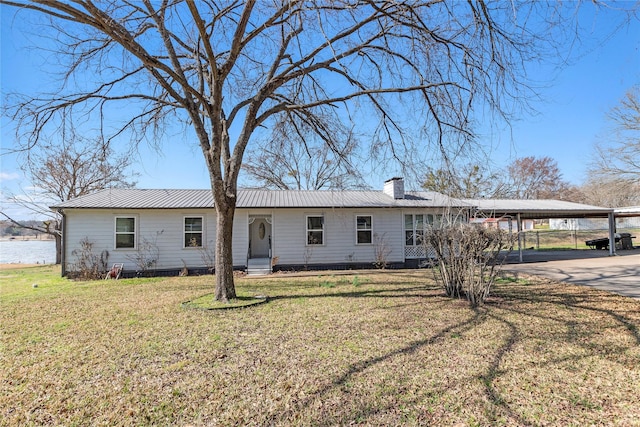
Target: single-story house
(169, 230)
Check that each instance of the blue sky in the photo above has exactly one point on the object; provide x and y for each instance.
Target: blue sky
(570, 118)
(572, 114)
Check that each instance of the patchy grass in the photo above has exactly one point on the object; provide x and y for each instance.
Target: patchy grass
(385, 349)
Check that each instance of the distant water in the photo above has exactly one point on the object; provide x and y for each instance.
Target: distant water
(27, 251)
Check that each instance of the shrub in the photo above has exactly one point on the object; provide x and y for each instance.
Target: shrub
(88, 265)
(466, 258)
(382, 250)
(147, 255)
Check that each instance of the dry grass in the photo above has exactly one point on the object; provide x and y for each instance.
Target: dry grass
(365, 349)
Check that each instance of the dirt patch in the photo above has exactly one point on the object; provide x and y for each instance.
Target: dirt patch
(14, 266)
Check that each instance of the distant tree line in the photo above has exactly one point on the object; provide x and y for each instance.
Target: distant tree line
(10, 229)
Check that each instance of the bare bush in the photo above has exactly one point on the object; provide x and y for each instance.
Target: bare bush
(447, 267)
(467, 258)
(381, 251)
(88, 265)
(147, 255)
(208, 256)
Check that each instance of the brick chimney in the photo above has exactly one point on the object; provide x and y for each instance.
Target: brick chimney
(394, 187)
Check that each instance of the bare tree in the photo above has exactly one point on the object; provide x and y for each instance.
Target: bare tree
(610, 192)
(470, 181)
(58, 173)
(537, 178)
(620, 160)
(229, 69)
(295, 158)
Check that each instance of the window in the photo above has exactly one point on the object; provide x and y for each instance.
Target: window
(315, 230)
(193, 232)
(125, 232)
(363, 229)
(414, 226)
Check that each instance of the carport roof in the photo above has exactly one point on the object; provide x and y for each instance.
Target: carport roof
(537, 209)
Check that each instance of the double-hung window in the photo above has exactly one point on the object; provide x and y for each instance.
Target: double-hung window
(193, 232)
(364, 230)
(315, 230)
(125, 232)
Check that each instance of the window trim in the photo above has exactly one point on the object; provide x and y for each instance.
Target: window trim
(428, 220)
(308, 230)
(134, 233)
(370, 230)
(184, 232)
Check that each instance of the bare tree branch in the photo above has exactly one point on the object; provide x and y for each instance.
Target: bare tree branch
(620, 159)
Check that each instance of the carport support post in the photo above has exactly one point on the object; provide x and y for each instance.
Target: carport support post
(519, 222)
(612, 234)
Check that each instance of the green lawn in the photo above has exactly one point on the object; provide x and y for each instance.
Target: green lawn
(363, 349)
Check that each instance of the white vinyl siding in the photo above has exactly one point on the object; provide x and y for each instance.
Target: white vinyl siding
(165, 228)
(290, 241)
(161, 228)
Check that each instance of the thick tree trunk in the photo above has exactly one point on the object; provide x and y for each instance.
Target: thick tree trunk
(225, 288)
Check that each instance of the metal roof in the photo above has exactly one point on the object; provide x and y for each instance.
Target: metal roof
(141, 199)
(194, 199)
(203, 199)
(538, 208)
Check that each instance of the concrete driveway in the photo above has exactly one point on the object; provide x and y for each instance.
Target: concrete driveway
(619, 273)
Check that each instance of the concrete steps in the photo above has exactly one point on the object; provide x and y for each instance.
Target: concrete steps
(259, 266)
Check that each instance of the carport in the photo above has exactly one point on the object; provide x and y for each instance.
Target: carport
(520, 210)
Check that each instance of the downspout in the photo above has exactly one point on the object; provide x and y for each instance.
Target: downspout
(612, 234)
(519, 222)
(63, 241)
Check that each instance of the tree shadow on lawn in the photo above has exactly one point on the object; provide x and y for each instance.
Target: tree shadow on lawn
(396, 292)
(366, 412)
(361, 366)
(577, 297)
(505, 305)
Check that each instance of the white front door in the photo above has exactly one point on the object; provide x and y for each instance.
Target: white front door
(260, 235)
